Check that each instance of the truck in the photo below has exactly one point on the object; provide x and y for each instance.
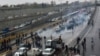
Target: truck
(56, 44)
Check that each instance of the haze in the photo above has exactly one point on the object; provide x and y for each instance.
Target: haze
(14, 2)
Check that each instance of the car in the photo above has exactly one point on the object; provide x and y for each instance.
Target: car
(16, 27)
(24, 15)
(10, 17)
(22, 25)
(21, 52)
(48, 52)
(39, 18)
(52, 12)
(48, 43)
(70, 26)
(55, 19)
(28, 23)
(23, 46)
(33, 21)
(37, 51)
(11, 28)
(16, 15)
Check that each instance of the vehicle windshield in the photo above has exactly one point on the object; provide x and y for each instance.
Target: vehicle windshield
(48, 42)
(47, 51)
(20, 50)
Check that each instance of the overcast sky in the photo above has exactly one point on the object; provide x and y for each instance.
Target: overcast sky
(9, 2)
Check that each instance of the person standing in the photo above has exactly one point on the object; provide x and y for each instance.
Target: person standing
(78, 40)
(85, 43)
(92, 43)
(99, 33)
(92, 22)
(66, 49)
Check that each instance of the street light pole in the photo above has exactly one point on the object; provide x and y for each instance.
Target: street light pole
(43, 43)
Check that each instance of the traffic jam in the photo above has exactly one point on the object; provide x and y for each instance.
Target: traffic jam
(48, 41)
(45, 44)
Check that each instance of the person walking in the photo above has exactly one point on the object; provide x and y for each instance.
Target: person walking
(78, 51)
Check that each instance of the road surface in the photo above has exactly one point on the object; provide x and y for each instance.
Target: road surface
(68, 35)
(93, 48)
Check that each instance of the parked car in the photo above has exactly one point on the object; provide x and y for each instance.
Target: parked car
(48, 52)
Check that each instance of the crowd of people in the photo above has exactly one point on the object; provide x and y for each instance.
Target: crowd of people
(5, 45)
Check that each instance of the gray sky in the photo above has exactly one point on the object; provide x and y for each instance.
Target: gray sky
(9, 2)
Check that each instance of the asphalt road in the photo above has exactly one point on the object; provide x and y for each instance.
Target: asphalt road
(42, 21)
(92, 37)
(5, 13)
(19, 12)
(17, 21)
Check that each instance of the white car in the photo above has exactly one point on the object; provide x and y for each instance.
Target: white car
(21, 52)
(16, 15)
(48, 43)
(10, 17)
(22, 25)
(24, 14)
(55, 19)
(16, 27)
(36, 51)
(48, 52)
(33, 21)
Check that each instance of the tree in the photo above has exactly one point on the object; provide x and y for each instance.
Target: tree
(67, 2)
(5, 6)
(53, 3)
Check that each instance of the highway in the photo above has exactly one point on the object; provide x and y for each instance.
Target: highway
(4, 13)
(39, 22)
(19, 20)
(28, 38)
(92, 48)
(68, 35)
(16, 15)
(46, 23)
